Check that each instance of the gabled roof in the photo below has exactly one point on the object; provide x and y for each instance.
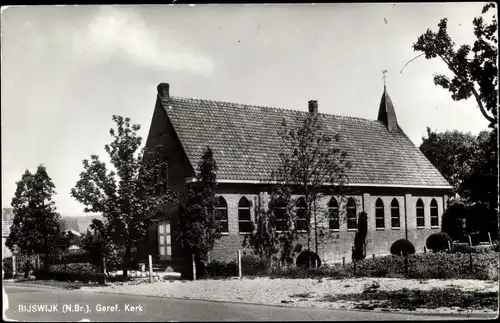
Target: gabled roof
(244, 140)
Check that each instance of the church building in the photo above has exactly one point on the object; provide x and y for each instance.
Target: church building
(403, 194)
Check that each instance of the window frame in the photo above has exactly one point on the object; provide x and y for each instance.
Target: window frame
(395, 208)
(333, 214)
(242, 208)
(351, 205)
(379, 214)
(301, 207)
(164, 230)
(434, 209)
(420, 213)
(224, 220)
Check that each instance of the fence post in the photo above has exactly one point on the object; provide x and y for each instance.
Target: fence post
(373, 256)
(13, 266)
(406, 264)
(194, 266)
(239, 264)
(470, 258)
(489, 237)
(208, 256)
(425, 249)
(449, 245)
(343, 261)
(470, 241)
(104, 269)
(150, 262)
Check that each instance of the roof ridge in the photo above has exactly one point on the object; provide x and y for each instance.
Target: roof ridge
(271, 107)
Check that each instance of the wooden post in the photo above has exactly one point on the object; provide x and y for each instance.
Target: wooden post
(470, 241)
(343, 261)
(406, 264)
(470, 258)
(208, 256)
(104, 269)
(13, 266)
(449, 245)
(194, 266)
(150, 261)
(373, 256)
(489, 237)
(239, 264)
(425, 249)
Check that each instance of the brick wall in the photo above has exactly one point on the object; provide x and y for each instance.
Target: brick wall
(337, 244)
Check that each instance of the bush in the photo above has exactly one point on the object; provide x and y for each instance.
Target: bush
(218, 269)
(301, 272)
(306, 258)
(69, 276)
(252, 265)
(7, 267)
(402, 246)
(439, 241)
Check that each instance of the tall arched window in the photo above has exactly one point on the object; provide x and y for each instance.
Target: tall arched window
(221, 214)
(434, 214)
(301, 224)
(333, 214)
(351, 214)
(279, 209)
(420, 214)
(379, 214)
(395, 214)
(244, 223)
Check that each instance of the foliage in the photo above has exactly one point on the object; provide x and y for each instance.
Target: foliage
(439, 241)
(252, 265)
(402, 246)
(453, 218)
(474, 69)
(198, 227)
(97, 245)
(35, 228)
(308, 259)
(360, 237)
(129, 196)
(217, 269)
(7, 267)
(69, 276)
(453, 153)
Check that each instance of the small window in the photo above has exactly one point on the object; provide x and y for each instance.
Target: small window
(379, 214)
(351, 214)
(221, 214)
(280, 215)
(301, 223)
(244, 222)
(333, 214)
(420, 214)
(395, 214)
(434, 214)
(164, 239)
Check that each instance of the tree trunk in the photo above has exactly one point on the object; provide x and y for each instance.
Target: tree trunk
(126, 260)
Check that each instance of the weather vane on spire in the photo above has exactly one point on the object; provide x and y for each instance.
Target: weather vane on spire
(384, 76)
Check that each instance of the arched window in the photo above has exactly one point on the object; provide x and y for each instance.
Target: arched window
(244, 222)
(379, 214)
(221, 214)
(333, 214)
(279, 209)
(434, 214)
(395, 214)
(301, 223)
(351, 214)
(420, 214)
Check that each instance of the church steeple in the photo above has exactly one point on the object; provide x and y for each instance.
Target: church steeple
(386, 112)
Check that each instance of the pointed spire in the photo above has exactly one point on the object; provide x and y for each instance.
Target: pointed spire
(386, 112)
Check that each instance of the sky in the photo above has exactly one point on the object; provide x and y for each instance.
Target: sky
(67, 69)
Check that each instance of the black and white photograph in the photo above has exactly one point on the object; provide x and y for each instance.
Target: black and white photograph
(250, 162)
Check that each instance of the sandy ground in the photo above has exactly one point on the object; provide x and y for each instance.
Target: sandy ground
(284, 291)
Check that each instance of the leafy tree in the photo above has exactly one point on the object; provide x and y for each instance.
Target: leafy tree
(98, 245)
(198, 226)
(453, 153)
(309, 159)
(130, 194)
(35, 228)
(454, 219)
(474, 69)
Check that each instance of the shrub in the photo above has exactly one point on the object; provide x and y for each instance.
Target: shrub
(69, 276)
(439, 241)
(306, 258)
(402, 246)
(252, 265)
(218, 269)
(7, 267)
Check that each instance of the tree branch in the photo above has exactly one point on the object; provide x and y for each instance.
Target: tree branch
(414, 58)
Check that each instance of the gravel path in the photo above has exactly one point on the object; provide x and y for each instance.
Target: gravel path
(293, 292)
